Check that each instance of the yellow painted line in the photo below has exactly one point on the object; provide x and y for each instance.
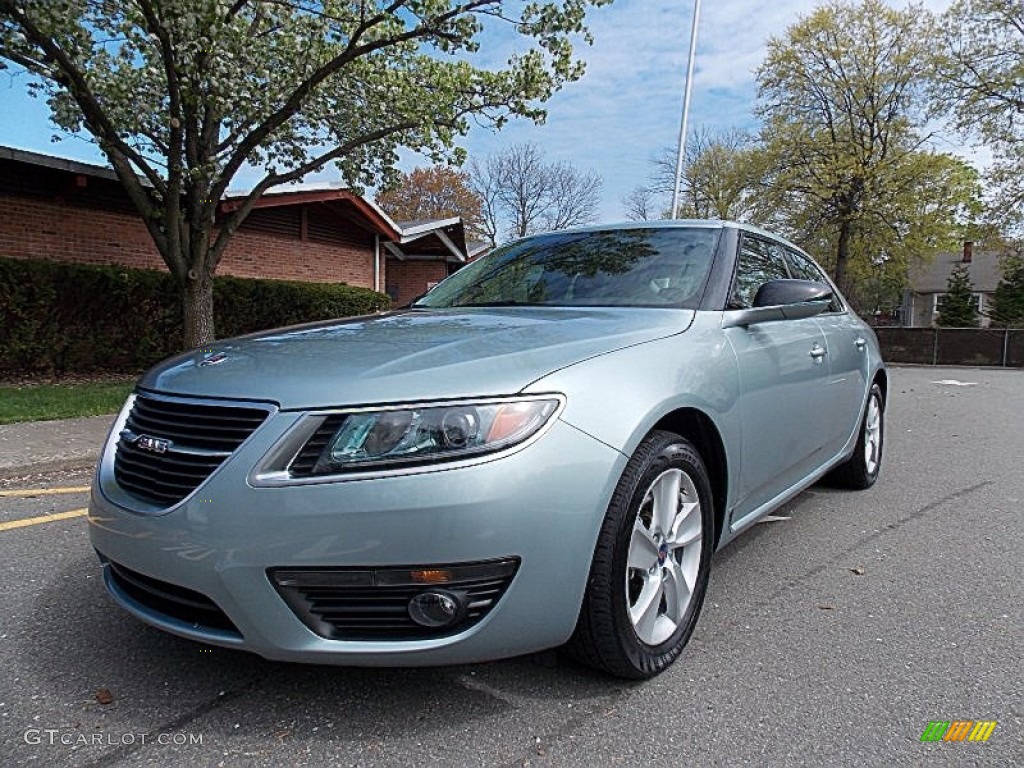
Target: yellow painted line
(28, 492)
(43, 519)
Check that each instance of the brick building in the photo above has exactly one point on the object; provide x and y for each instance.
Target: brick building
(62, 210)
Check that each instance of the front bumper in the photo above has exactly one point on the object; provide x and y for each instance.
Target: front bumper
(543, 505)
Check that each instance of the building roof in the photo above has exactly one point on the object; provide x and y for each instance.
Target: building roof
(475, 248)
(380, 222)
(436, 238)
(421, 226)
(932, 277)
(61, 164)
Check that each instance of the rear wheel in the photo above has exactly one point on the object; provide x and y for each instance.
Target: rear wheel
(861, 470)
(651, 564)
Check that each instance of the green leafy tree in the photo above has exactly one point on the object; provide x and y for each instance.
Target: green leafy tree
(180, 95)
(979, 80)
(933, 203)
(1008, 300)
(958, 309)
(841, 98)
(721, 175)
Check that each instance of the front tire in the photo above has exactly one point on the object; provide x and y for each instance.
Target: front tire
(651, 564)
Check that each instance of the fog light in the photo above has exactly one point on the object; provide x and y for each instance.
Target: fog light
(437, 608)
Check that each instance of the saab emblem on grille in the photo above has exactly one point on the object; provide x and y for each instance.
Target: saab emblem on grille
(152, 444)
(215, 359)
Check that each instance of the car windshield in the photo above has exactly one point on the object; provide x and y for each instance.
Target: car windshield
(642, 267)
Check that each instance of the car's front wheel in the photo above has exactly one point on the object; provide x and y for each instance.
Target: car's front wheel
(651, 564)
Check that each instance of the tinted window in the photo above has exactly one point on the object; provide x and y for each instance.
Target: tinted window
(617, 267)
(802, 267)
(805, 269)
(759, 262)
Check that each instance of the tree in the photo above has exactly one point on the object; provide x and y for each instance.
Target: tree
(640, 205)
(524, 193)
(181, 94)
(958, 309)
(842, 102)
(979, 64)
(1008, 299)
(929, 203)
(438, 192)
(485, 181)
(721, 175)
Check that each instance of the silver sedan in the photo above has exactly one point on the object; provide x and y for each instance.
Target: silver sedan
(544, 451)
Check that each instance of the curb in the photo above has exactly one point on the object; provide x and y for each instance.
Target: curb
(50, 466)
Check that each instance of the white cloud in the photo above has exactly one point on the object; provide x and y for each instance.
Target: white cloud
(624, 111)
(627, 107)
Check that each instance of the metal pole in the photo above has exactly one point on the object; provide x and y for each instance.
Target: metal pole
(686, 110)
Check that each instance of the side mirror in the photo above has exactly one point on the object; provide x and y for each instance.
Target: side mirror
(776, 293)
(782, 300)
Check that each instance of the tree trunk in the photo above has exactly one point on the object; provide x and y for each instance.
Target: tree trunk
(842, 256)
(197, 312)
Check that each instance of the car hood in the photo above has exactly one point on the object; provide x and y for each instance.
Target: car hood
(409, 355)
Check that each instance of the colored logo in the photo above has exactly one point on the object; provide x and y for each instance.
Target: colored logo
(958, 730)
(662, 553)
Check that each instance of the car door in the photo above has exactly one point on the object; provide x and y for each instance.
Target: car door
(848, 366)
(783, 372)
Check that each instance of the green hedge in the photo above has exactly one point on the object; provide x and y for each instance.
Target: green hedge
(60, 318)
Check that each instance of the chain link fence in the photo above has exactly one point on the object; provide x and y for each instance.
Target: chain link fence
(953, 346)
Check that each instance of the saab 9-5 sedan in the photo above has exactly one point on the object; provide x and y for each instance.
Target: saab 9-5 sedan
(543, 451)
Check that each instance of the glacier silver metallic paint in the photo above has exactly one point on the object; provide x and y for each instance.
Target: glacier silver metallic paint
(618, 372)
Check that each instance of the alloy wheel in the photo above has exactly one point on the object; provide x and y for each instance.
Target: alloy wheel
(873, 435)
(664, 556)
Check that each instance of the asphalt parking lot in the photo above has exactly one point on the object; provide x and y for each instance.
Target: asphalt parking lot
(832, 637)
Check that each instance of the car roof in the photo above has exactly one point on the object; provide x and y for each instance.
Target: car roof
(650, 224)
(674, 224)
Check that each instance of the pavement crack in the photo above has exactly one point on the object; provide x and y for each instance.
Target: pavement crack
(867, 539)
(119, 753)
(541, 747)
(479, 686)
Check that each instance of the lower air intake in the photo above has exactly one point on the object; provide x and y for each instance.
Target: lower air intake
(373, 604)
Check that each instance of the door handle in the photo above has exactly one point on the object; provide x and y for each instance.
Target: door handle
(817, 352)
(860, 343)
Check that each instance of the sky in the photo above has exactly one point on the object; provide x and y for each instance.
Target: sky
(624, 111)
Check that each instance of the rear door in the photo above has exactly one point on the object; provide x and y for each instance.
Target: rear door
(783, 373)
(848, 365)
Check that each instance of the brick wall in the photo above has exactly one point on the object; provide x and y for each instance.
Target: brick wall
(406, 280)
(36, 229)
(269, 256)
(33, 229)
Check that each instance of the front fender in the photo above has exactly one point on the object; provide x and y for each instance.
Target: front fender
(619, 397)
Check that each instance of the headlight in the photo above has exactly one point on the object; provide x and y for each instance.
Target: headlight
(342, 442)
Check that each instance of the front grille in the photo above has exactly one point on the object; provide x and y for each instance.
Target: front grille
(171, 600)
(358, 604)
(188, 441)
